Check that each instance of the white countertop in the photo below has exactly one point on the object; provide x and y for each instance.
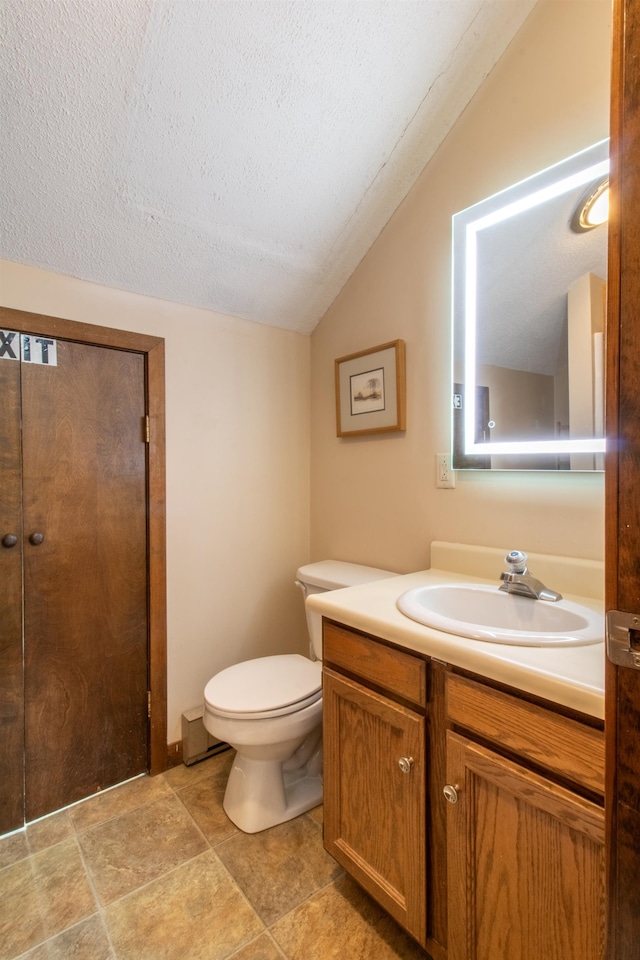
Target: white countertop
(572, 676)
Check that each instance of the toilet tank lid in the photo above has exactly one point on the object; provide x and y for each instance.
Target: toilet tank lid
(333, 574)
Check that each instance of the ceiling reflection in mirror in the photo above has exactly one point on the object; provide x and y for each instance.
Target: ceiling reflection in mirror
(528, 321)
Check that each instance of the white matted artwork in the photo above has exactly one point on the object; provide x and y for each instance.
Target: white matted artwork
(370, 390)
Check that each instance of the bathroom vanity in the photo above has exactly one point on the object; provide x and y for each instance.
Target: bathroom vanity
(463, 781)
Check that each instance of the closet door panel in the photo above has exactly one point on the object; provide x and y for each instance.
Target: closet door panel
(85, 606)
(11, 686)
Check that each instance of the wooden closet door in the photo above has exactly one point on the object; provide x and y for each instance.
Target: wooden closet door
(85, 583)
(11, 688)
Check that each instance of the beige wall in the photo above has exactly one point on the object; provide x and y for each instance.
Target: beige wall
(237, 472)
(546, 99)
(238, 443)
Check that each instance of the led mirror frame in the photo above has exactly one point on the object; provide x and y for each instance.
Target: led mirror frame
(549, 183)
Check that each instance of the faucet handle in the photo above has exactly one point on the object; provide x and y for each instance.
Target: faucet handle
(517, 561)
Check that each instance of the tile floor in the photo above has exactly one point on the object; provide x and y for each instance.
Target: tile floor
(154, 870)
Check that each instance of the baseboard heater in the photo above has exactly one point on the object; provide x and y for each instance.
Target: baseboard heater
(197, 742)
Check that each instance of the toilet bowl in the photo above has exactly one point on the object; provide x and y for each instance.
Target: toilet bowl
(270, 711)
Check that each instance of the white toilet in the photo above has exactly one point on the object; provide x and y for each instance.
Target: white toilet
(270, 711)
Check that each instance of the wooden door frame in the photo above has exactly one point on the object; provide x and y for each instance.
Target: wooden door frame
(152, 348)
(622, 471)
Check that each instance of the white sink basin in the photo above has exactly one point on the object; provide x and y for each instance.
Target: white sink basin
(483, 612)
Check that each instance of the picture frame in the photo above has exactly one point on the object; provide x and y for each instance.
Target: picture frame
(371, 391)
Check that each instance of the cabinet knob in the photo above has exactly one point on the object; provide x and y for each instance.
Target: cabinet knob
(405, 764)
(9, 540)
(450, 792)
(36, 539)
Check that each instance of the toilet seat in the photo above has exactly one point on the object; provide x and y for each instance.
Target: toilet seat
(265, 687)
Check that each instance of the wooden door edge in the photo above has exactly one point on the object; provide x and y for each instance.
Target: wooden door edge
(155, 399)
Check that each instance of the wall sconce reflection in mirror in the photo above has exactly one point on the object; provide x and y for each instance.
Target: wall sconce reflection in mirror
(528, 323)
(593, 207)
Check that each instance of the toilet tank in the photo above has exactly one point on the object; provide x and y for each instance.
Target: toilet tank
(328, 575)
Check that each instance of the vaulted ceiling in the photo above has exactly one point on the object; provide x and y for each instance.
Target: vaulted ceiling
(237, 155)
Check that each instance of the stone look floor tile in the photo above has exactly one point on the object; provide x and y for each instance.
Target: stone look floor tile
(203, 799)
(139, 846)
(113, 803)
(13, 847)
(279, 868)
(263, 948)
(86, 941)
(49, 831)
(183, 776)
(168, 896)
(342, 921)
(41, 896)
(196, 912)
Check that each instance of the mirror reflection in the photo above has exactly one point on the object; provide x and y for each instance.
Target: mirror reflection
(529, 287)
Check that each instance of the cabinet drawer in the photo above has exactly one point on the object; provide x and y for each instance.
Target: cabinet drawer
(393, 670)
(564, 746)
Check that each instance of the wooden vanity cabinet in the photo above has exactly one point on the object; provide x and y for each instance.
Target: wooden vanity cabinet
(374, 770)
(525, 833)
(513, 866)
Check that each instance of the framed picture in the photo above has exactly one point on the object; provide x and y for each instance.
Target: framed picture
(370, 391)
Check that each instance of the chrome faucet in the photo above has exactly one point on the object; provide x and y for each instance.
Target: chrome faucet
(517, 579)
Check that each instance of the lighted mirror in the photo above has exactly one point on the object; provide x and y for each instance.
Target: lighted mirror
(529, 283)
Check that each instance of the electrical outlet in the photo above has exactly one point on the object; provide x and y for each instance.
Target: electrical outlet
(445, 476)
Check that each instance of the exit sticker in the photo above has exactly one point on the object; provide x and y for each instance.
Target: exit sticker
(28, 347)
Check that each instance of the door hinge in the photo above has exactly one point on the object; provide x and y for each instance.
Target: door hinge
(623, 639)
(146, 429)
(149, 704)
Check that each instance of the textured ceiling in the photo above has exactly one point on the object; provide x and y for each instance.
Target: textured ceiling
(236, 155)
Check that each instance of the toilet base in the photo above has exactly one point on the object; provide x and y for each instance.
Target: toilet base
(260, 793)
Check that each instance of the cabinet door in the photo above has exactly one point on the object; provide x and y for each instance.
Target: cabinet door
(374, 820)
(526, 863)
